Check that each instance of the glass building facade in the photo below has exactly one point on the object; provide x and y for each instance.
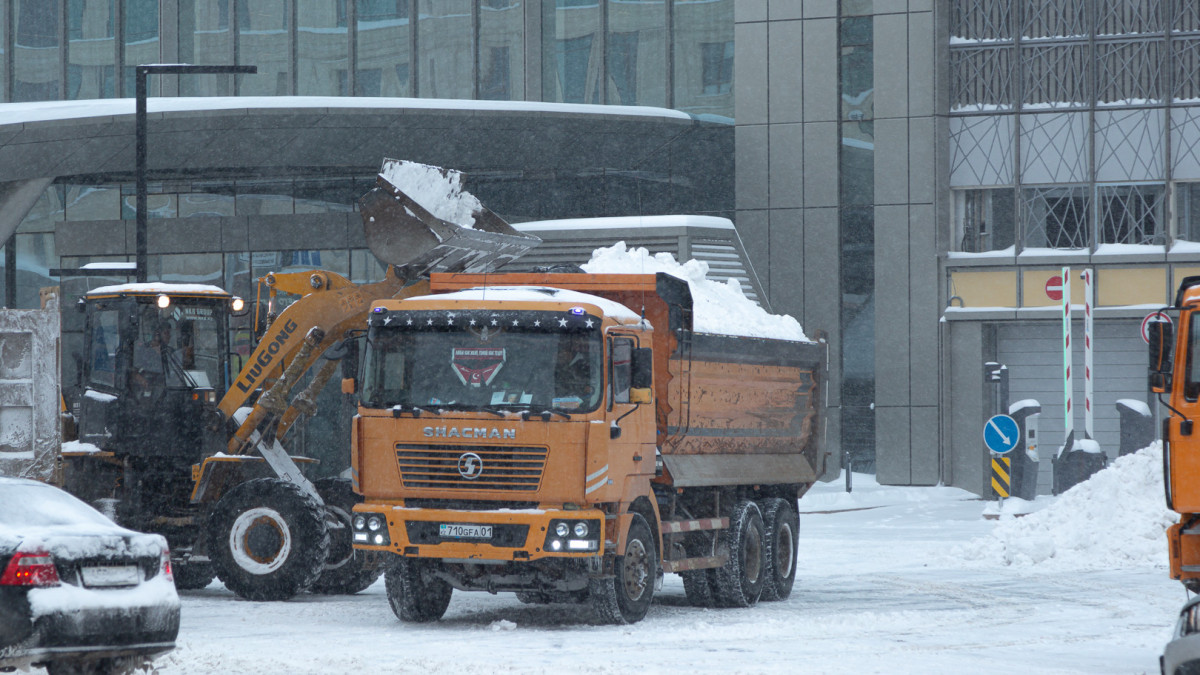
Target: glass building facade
(665, 53)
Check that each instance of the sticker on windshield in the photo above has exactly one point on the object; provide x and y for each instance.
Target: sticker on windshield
(477, 366)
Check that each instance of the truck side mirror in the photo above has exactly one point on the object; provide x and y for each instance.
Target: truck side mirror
(643, 368)
(1161, 339)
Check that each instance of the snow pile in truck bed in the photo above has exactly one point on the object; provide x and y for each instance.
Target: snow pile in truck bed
(718, 307)
(437, 189)
(1115, 519)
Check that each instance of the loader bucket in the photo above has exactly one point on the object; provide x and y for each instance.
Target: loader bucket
(404, 233)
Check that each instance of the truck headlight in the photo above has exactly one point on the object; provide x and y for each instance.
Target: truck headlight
(370, 529)
(574, 536)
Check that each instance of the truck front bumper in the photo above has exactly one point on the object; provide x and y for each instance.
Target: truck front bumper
(500, 535)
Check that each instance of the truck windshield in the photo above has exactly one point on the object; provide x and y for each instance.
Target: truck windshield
(513, 369)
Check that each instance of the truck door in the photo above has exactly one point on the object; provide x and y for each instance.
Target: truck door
(635, 442)
(1183, 460)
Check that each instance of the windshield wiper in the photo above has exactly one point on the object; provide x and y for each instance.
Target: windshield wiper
(481, 408)
(416, 410)
(545, 413)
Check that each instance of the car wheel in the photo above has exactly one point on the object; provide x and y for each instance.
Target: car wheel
(415, 594)
(345, 571)
(267, 539)
(739, 582)
(625, 597)
(782, 527)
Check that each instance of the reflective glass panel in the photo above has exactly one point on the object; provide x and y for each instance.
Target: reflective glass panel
(501, 50)
(445, 36)
(36, 65)
(141, 39)
(571, 56)
(384, 48)
(1187, 208)
(703, 56)
(637, 52)
(91, 49)
(206, 36)
(322, 49)
(93, 202)
(263, 40)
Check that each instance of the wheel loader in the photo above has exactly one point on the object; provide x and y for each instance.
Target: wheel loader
(174, 442)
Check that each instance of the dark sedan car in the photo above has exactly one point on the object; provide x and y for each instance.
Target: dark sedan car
(78, 593)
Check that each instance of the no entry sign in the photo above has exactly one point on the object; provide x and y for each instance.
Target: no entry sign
(1054, 287)
(1153, 316)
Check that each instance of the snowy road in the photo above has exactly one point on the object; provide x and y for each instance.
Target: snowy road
(907, 582)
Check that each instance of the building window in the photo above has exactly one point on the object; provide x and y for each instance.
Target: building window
(495, 84)
(1056, 217)
(1130, 214)
(983, 220)
(501, 50)
(383, 49)
(1187, 210)
(36, 54)
(717, 75)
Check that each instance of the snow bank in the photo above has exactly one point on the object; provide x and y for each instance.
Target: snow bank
(718, 307)
(1115, 519)
(437, 189)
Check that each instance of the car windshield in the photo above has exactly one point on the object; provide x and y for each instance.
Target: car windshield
(469, 369)
(31, 505)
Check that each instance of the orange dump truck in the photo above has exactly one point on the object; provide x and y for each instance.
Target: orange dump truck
(570, 438)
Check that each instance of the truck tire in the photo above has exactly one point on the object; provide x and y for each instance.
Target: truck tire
(192, 576)
(267, 539)
(625, 597)
(416, 596)
(782, 527)
(346, 570)
(698, 584)
(739, 582)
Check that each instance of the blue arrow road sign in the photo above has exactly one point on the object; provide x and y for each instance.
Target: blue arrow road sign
(1001, 434)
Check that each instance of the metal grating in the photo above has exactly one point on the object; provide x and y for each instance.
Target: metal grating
(505, 468)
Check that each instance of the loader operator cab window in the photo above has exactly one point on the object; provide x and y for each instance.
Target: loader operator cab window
(512, 369)
(105, 339)
(176, 348)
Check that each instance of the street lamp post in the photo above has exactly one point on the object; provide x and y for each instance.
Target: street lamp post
(142, 72)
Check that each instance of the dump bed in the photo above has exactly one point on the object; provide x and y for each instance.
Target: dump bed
(730, 410)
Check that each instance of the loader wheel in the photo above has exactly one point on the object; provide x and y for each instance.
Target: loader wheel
(415, 594)
(268, 539)
(192, 576)
(779, 553)
(345, 570)
(739, 582)
(625, 597)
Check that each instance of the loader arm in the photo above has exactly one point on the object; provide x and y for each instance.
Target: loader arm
(334, 308)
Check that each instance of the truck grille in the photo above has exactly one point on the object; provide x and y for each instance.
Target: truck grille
(471, 467)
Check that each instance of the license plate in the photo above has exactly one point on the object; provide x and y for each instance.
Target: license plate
(111, 575)
(463, 531)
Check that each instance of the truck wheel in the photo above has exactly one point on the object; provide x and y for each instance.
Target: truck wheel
(739, 582)
(416, 596)
(782, 527)
(697, 584)
(192, 576)
(345, 570)
(625, 597)
(268, 539)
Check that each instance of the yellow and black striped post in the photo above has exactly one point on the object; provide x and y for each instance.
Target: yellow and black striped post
(1001, 475)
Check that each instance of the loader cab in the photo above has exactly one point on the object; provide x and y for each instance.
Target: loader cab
(156, 363)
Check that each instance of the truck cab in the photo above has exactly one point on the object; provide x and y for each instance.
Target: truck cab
(514, 427)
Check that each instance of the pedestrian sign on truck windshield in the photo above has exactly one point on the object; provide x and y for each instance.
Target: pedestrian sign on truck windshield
(1001, 434)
